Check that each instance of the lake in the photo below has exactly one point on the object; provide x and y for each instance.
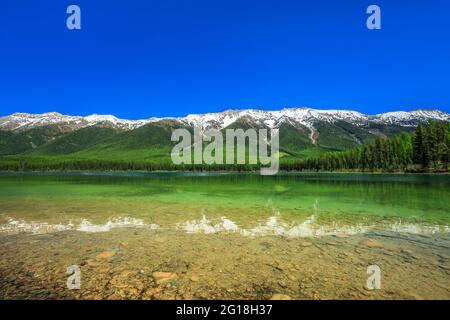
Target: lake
(300, 235)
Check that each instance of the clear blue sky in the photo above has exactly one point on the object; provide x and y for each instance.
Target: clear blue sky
(142, 58)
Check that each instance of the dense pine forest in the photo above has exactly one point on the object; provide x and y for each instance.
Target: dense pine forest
(427, 149)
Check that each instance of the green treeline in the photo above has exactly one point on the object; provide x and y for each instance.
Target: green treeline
(427, 149)
(55, 164)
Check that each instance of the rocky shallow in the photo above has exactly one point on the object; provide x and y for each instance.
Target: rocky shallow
(159, 264)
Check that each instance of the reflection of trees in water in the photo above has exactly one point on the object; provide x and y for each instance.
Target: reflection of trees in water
(422, 192)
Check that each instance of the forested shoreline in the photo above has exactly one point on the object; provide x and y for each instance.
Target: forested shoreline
(427, 149)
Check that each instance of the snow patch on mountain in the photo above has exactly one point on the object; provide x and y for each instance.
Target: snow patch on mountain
(25, 121)
(411, 118)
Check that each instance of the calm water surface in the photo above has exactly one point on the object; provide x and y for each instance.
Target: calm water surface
(309, 203)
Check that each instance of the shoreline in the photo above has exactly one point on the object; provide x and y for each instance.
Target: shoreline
(205, 172)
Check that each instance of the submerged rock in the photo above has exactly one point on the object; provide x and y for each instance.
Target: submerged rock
(163, 277)
(105, 255)
(194, 278)
(371, 243)
(306, 244)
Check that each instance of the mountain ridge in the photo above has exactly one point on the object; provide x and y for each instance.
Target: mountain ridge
(271, 119)
(303, 131)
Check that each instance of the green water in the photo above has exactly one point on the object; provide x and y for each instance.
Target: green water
(247, 199)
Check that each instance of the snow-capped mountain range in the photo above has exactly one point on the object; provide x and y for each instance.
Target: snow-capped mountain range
(272, 119)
